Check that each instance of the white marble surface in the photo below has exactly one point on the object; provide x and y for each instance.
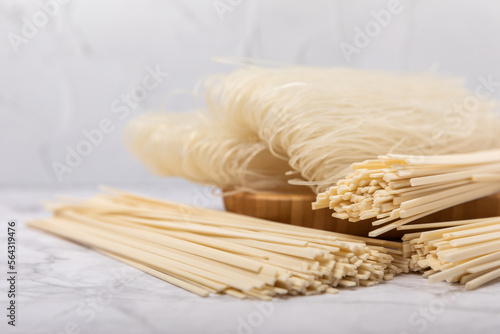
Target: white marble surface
(62, 283)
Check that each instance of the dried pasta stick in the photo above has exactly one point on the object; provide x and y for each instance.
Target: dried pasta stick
(183, 284)
(207, 251)
(398, 189)
(468, 253)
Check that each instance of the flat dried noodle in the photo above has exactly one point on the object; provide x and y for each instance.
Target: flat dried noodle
(208, 251)
(398, 189)
(467, 253)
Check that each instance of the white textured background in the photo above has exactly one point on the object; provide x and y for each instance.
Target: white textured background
(64, 79)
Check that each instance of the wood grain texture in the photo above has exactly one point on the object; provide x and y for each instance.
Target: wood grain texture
(296, 209)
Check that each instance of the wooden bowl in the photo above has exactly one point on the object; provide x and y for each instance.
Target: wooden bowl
(296, 209)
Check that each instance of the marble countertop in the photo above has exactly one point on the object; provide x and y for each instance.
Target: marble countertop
(67, 288)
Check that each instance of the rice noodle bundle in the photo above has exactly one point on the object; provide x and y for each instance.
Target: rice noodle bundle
(204, 151)
(207, 251)
(398, 189)
(467, 253)
(311, 121)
